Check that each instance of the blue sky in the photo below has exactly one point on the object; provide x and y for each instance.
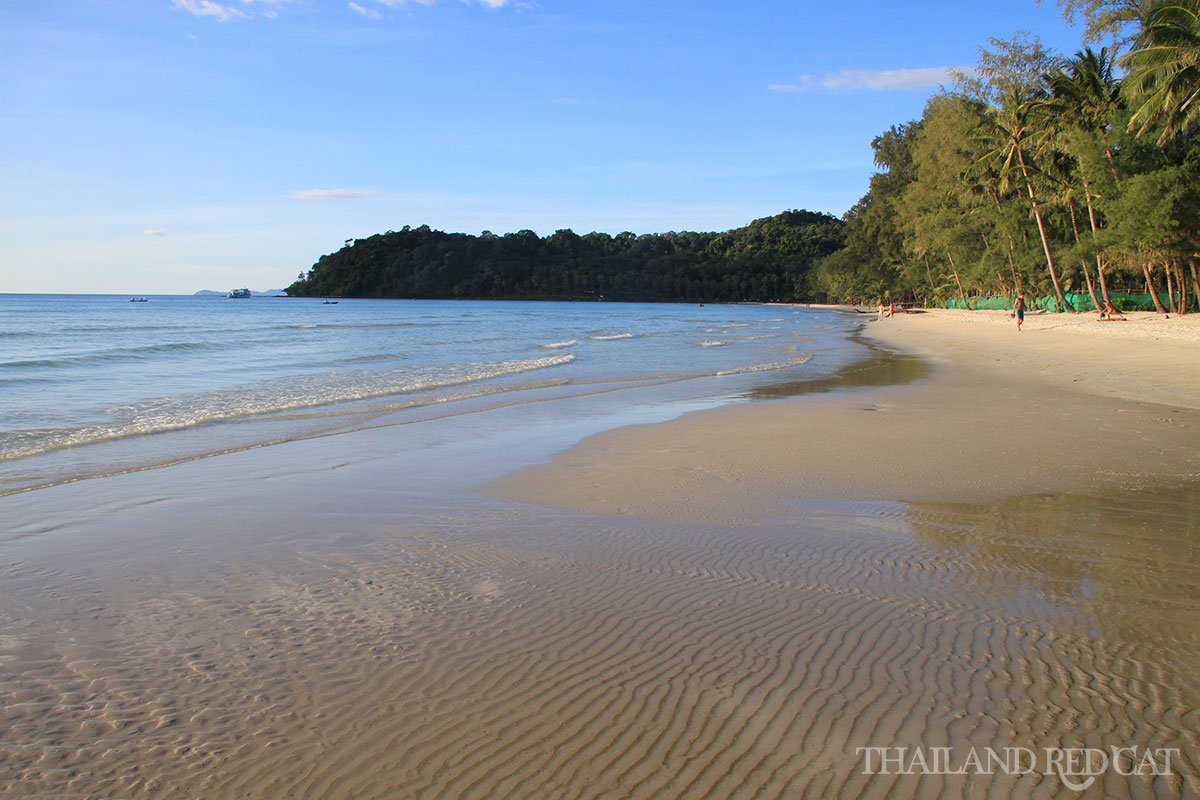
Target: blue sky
(164, 146)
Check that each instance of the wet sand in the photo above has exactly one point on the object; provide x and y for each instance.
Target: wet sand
(1048, 410)
(342, 619)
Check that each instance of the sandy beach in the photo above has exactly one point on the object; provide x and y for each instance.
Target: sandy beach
(1069, 404)
(730, 604)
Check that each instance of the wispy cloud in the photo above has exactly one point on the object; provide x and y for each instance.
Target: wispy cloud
(207, 8)
(155, 232)
(853, 80)
(366, 12)
(331, 194)
(246, 9)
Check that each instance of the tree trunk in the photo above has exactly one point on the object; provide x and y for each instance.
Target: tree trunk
(1012, 264)
(1112, 163)
(1012, 258)
(1037, 214)
(1150, 287)
(1087, 193)
(1083, 261)
(1195, 282)
(929, 277)
(1171, 303)
(961, 293)
(1181, 282)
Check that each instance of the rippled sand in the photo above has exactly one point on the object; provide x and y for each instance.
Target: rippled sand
(331, 619)
(500, 652)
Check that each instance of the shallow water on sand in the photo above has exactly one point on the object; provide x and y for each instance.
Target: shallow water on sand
(96, 385)
(368, 640)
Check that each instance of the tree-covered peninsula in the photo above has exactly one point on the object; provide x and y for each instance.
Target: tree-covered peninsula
(769, 259)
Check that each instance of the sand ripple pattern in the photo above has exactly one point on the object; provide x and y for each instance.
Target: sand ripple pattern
(519, 654)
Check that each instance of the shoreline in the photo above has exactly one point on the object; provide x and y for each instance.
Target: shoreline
(1001, 416)
(347, 619)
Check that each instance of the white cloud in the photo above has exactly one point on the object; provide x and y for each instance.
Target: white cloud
(331, 194)
(155, 232)
(249, 8)
(851, 80)
(366, 12)
(207, 8)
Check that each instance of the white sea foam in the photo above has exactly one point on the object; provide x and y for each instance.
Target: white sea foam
(771, 367)
(223, 375)
(177, 413)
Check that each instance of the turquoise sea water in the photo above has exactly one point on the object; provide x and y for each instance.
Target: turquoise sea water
(95, 384)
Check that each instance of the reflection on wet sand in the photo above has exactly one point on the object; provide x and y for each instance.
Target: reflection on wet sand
(494, 650)
(880, 368)
(1124, 563)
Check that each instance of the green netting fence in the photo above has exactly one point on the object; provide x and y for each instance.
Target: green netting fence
(1124, 301)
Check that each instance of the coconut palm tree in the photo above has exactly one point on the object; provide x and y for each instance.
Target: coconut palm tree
(1014, 131)
(1084, 98)
(1164, 70)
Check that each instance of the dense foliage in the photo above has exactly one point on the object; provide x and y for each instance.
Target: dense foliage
(1044, 174)
(769, 259)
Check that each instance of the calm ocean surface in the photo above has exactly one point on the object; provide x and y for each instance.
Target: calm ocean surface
(95, 384)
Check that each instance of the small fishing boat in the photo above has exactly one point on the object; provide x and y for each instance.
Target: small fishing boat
(138, 300)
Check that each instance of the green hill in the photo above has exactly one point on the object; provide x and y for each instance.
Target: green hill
(769, 259)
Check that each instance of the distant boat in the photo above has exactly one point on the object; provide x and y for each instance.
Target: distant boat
(331, 302)
(138, 300)
(238, 293)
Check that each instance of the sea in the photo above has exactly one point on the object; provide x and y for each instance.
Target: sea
(94, 385)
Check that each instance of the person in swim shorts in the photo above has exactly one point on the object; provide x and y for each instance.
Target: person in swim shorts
(1019, 310)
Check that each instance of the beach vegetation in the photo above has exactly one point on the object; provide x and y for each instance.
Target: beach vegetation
(1063, 177)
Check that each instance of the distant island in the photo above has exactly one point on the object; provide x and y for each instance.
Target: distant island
(769, 259)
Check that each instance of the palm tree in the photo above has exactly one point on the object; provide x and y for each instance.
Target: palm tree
(1164, 69)
(1084, 97)
(1013, 132)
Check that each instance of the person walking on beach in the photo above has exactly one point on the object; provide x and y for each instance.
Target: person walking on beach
(1019, 310)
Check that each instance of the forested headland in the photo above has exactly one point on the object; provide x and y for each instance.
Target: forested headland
(769, 259)
(1076, 179)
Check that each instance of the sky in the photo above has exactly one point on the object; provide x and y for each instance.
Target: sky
(167, 146)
